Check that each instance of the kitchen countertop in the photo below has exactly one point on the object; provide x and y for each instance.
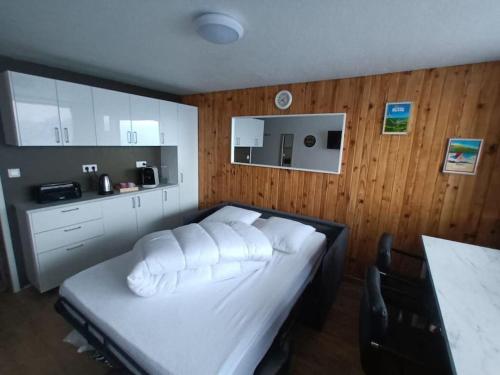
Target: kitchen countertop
(86, 197)
(466, 281)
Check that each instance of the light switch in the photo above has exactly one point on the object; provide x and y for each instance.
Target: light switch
(14, 172)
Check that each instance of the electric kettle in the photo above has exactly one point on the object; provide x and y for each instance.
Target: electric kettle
(105, 186)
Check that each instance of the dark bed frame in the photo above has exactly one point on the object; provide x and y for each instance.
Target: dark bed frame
(312, 306)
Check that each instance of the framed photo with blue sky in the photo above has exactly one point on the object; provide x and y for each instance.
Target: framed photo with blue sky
(462, 155)
(397, 118)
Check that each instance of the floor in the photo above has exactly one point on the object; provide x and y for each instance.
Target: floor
(31, 335)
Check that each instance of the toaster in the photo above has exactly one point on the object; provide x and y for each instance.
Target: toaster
(58, 191)
(149, 177)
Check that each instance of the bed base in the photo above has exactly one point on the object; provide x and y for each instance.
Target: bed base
(312, 306)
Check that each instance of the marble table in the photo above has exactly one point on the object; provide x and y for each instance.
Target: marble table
(466, 280)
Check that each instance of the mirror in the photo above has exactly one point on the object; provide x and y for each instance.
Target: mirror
(303, 142)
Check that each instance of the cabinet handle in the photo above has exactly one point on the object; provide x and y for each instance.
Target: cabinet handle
(138, 201)
(129, 137)
(165, 196)
(58, 137)
(66, 134)
(133, 202)
(72, 229)
(162, 138)
(135, 137)
(75, 247)
(182, 177)
(70, 209)
(237, 141)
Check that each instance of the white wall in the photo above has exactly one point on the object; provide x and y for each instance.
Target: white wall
(317, 157)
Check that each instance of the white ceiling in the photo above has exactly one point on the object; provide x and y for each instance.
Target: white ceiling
(153, 43)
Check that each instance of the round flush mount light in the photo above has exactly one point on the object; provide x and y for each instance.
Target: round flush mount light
(218, 28)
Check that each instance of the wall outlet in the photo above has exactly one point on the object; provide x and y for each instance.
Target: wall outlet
(14, 173)
(88, 168)
(141, 164)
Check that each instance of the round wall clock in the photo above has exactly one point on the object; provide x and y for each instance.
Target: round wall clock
(310, 141)
(283, 99)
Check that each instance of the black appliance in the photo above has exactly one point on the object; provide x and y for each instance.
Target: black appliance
(58, 191)
(334, 139)
(105, 186)
(149, 177)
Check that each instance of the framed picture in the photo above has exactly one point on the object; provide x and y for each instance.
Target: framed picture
(462, 155)
(397, 118)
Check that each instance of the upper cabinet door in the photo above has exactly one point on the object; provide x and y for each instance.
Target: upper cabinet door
(168, 123)
(37, 114)
(258, 133)
(248, 132)
(112, 117)
(188, 158)
(76, 111)
(145, 114)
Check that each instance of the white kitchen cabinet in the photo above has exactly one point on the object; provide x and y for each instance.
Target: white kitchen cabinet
(149, 211)
(30, 110)
(120, 223)
(248, 132)
(112, 117)
(188, 158)
(65, 236)
(76, 111)
(59, 241)
(168, 123)
(145, 114)
(171, 207)
(59, 264)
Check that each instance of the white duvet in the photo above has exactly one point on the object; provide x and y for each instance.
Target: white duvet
(194, 254)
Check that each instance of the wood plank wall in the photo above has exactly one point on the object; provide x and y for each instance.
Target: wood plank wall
(388, 183)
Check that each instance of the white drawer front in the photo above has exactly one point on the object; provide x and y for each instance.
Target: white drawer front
(68, 235)
(65, 215)
(57, 265)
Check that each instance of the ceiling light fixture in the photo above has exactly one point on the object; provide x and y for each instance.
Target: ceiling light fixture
(218, 28)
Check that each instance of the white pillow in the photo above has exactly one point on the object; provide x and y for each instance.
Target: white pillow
(228, 214)
(286, 235)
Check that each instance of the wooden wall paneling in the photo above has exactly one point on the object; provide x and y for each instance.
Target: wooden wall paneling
(446, 115)
(474, 190)
(376, 107)
(458, 85)
(415, 187)
(433, 98)
(388, 183)
(357, 181)
(469, 127)
(407, 151)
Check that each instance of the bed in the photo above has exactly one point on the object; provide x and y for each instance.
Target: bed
(238, 326)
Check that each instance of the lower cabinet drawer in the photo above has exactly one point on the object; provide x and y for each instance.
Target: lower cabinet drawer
(67, 235)
(57, 265)
(65, 215)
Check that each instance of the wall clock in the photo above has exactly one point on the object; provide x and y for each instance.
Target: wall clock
(309, 141)
(283, 99)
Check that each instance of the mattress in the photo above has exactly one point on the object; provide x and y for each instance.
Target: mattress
(219, 328)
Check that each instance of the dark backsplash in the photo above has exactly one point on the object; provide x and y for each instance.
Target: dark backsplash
(53, 164)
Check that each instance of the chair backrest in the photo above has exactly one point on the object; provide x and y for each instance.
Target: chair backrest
(373, 320)
(384, 252)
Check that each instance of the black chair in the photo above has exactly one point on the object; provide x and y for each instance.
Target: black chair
(384, 258)
(414, 295)
(390, 347)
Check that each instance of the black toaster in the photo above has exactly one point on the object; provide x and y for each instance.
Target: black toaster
(58, 191)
